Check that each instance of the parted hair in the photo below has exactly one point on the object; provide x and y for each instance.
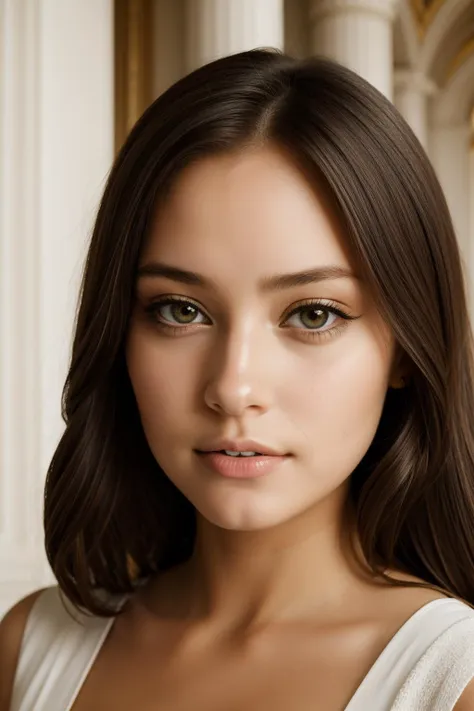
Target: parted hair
(111, 515)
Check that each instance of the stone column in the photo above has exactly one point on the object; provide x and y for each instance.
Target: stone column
(411, 97)
(358, 34)
(215, 28)
(450, 158)
(56, 147)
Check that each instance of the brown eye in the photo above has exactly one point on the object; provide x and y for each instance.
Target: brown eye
(174, 312)
(312, 317)
(315, 320)
(183, 313)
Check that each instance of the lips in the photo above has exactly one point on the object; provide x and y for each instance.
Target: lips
(219, 445)
(241, 467)
(240, 454)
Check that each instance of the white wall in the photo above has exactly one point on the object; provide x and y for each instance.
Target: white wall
(56, 147)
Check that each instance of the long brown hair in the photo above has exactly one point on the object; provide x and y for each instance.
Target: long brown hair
(107, 501)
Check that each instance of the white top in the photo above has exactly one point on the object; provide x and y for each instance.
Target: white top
(424, 667)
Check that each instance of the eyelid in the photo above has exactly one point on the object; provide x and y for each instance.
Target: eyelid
(327, 304)
(170, 300)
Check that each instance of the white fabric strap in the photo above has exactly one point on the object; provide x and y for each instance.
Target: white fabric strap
(443, 672)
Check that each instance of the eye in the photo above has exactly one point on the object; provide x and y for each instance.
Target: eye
(314, 318)
(182, 310)
(318, 318)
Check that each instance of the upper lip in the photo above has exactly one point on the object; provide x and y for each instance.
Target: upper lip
(241, 445)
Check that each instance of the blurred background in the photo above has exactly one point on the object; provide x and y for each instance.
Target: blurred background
(74, 77)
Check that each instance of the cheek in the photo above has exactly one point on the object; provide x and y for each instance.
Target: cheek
(337, 399)
(328, 405)
(161, 383)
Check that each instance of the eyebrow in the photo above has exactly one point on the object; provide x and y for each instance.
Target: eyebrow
(277, 282)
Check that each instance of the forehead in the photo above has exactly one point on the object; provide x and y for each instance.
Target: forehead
(252, 207)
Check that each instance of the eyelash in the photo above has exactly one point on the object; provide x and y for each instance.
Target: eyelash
(328, 306)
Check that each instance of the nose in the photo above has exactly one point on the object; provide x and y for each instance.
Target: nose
(238, 375)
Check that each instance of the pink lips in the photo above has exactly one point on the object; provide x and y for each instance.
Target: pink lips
(218, 444)
(241, 467)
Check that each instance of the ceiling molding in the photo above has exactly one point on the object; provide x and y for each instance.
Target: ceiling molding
(424, 12)
(133, 63)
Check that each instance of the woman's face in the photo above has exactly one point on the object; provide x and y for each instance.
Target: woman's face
(232, 362)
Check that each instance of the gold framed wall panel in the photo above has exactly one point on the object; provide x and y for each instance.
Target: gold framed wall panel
(133, 66)
(133, 59)
(424, 12)
(472, 129)
(463, 54)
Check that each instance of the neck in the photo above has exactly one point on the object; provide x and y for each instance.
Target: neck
(252, 579)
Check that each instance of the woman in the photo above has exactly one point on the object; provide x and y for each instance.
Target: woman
(273, 271)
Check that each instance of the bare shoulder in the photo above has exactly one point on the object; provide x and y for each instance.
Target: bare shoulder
(466, 700)
(423, 596)
(417, 592)
(12, 627)
(398, 603)
(417, 597)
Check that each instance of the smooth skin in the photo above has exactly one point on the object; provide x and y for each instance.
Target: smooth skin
(270, 612)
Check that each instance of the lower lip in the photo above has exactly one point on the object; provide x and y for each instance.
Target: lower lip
(241, 467)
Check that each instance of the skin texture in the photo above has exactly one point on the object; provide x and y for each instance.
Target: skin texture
(238, 367)
(268, 613)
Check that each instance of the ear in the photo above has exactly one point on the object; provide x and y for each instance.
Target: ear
(401, 371)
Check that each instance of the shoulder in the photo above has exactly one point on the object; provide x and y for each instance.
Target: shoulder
(466, 700)
(12, 628)
(443, 676)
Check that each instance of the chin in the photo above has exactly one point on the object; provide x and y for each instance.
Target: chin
(245, 523)
(246, 517)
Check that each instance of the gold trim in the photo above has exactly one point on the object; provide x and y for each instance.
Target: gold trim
(425, 14)
(472, 129)
(133, 23)
(464, 53)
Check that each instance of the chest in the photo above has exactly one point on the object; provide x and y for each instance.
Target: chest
(295, 672)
